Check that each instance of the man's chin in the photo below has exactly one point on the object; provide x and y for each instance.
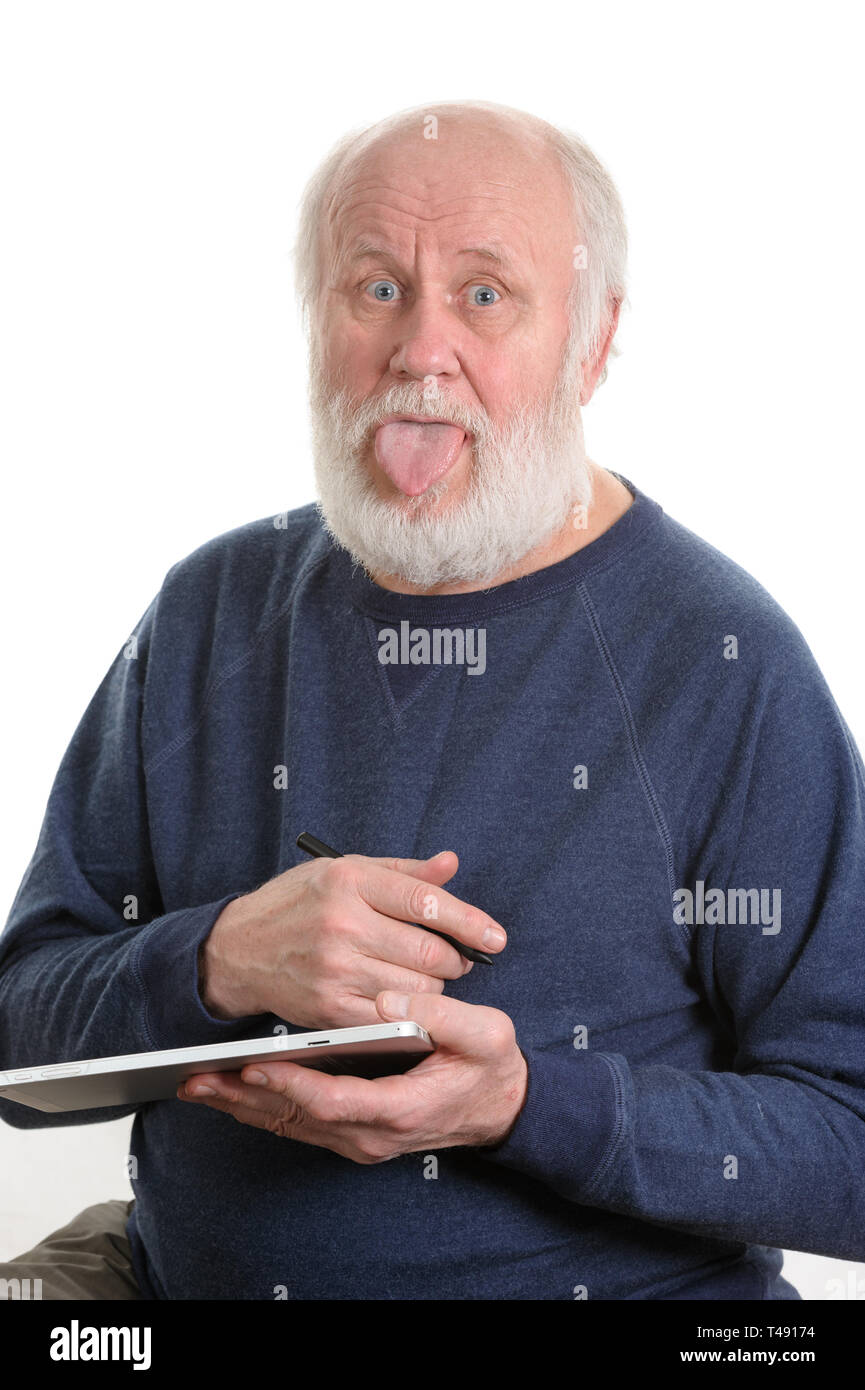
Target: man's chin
(423, 559)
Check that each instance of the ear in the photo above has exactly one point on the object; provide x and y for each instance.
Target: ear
(593, 368)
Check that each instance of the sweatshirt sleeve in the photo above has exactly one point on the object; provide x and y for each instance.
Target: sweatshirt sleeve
(771, 1151)
(90, 963)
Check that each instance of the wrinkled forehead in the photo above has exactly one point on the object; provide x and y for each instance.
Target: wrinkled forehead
(477, 184)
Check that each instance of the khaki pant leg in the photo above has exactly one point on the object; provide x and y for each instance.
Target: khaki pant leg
(88, 1258)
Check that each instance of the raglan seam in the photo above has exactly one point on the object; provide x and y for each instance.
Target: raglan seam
(222, 677)
(631, 731)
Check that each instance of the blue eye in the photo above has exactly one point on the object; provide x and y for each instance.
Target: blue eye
(383, 290)
(487, 292)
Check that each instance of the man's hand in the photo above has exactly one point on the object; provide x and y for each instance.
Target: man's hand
(468, 1092)
(316, 944)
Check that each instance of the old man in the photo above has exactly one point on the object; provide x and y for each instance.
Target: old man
(623, 1104)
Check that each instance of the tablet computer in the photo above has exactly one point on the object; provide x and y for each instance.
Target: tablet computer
(144, 1076)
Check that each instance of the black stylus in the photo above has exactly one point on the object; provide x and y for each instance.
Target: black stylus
(319, 850)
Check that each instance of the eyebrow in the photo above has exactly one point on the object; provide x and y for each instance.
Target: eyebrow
(494, 253)
(366, 250)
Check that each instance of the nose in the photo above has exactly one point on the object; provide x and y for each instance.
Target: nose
(426, 345)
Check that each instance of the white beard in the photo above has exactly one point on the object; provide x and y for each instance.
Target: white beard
(527, 477)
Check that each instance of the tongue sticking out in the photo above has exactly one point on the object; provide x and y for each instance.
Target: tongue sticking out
(415, 455)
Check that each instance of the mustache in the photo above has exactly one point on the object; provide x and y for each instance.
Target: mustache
(364, 417)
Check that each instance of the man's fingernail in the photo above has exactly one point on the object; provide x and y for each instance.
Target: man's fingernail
(201, 1090)
(255, 1078)
(396, 1004)
(494, 936)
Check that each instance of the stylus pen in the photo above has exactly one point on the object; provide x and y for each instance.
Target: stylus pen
(319, 850)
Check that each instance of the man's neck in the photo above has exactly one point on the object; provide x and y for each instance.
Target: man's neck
(610, 500)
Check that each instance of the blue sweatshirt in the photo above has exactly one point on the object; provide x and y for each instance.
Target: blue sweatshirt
(647, 783)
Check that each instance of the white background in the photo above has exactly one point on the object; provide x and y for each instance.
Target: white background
(153, 375)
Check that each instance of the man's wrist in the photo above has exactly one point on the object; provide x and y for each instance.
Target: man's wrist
(520, 1091)
(220, 987)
